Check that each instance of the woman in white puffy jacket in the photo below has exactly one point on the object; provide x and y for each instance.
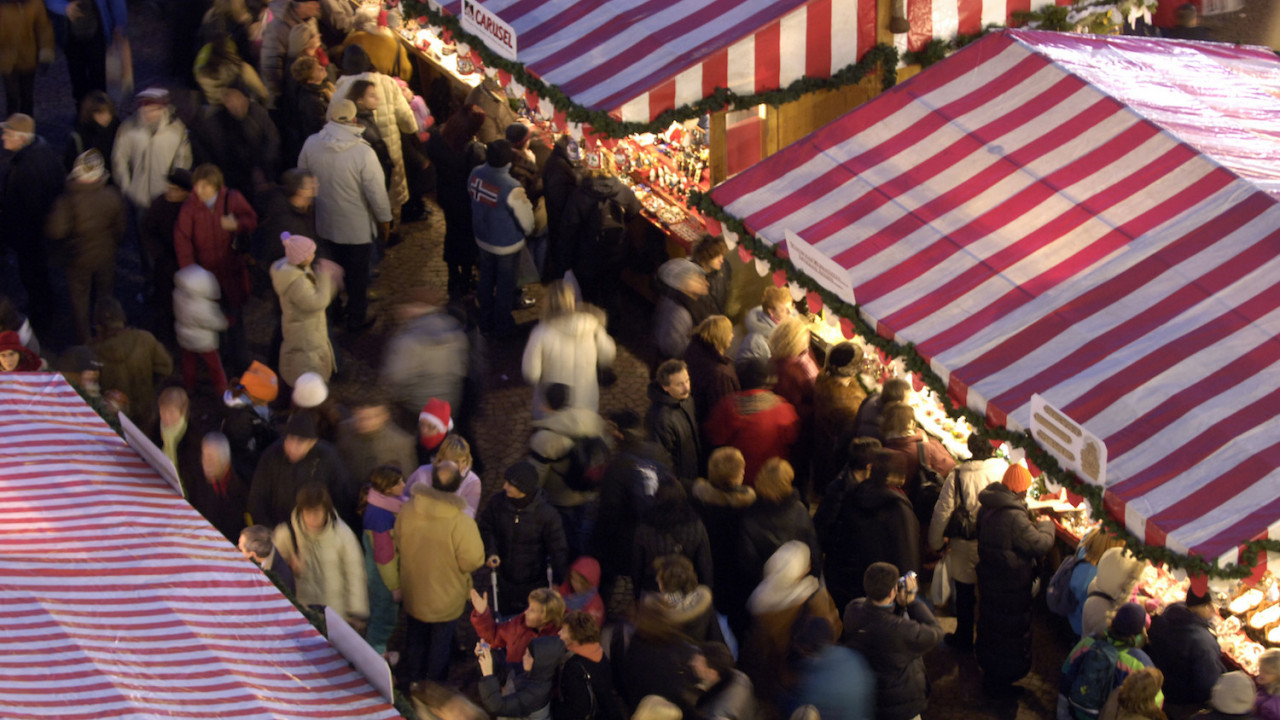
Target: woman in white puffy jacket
(326, 558)
(567, 346)
(968, 479)
(197, 321)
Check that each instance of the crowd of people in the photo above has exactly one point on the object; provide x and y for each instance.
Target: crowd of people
(748, 546)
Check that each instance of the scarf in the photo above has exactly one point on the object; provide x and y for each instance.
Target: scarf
(220, 485)
(390, 504)
(171, 436)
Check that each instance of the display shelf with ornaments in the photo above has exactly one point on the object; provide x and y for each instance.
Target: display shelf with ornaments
(435, 44)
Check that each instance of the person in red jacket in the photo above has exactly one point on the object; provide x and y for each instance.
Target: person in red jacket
(581, 591)
(755, 421)
(541, 619)
(209, 223)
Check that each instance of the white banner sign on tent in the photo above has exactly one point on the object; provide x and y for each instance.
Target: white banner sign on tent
(493, 30)
(154, 456)
(1068, 441)
(358, 652)
(814, 263)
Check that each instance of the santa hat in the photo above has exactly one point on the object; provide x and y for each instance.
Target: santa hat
(438, 419)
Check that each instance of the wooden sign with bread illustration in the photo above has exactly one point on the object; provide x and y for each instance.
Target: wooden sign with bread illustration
(1068, 441)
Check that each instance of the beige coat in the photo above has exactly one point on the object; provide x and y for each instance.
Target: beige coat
(393, 116)
(439, 548)
(333, 565)
(304, 295)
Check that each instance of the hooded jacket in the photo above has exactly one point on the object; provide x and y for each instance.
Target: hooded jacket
(198, 317)
(1118, 574)
(533, 690)
(692, 614)
(352, 194)
(427, 357)
(875, 523)
(392, 116)
(758, 327)
(757, 422)
(144, 156)
(89, 218)
(588, 601)
(1009, 544)
(1183, 646)
(894, 643)
(445, 547)
(333, 564)
(568, 349)
(527, 539)
(674, 424)
(971, 478)
(304, 295)
(550, 444)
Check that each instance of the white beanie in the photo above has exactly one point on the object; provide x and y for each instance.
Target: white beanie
(309, 390)
(1233, 694)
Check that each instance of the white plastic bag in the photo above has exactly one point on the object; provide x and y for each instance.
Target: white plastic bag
(940, 588)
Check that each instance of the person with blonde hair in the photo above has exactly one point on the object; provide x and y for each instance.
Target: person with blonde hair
(710, 369)
(542, 618)
(567, 346)
(456, 450)
(720, 500)
(760, 322)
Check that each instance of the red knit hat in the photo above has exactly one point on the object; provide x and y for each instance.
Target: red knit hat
(434, 423)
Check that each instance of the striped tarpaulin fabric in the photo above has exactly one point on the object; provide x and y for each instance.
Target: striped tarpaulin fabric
(119, 601)
(945, 19)
(639, 58)
(1031, 232)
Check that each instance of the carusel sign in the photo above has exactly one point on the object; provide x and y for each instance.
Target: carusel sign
(490, 28)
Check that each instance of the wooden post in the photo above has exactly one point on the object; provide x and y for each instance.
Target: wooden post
(719, 140)
(769, 132)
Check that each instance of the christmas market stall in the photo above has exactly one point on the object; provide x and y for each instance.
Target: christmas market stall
(1072, 242)
(120, 600)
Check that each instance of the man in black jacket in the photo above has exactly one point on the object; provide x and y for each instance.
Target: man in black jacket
(584, 683)
(672, 420)
(522, 534)
(893, 630)
(1183, 646)
(31, 180)
(300, 458)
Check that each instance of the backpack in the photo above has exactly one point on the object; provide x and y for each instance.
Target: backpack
(1093, 679)
(1058, 597)
(613, 226)
(588, 459)
(962, 524)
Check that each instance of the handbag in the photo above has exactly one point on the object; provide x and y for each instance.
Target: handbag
(961, 524)
(940, 586)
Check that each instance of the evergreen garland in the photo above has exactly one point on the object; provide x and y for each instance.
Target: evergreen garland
(1192, 564)
(883, 56)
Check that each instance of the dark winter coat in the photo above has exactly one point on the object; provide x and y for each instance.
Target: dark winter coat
(765, 527)
(560, 177)
(453, 168)
(875, 523)
(667, 530)
(373, 136)
(238, 146)
(34, 179)
(835, 412)
(655, 666)
(867, 424)
(533, 690)
(307, 116)
(716, 301)
(279, 217)
(585, 691)
(692, 615)
(1009, 544)
(249, 435)
(91, 136)
(721, 512)
(132, 359)
(526, 171)
(894, 643)
(623, 499)
(526, 539)
(224, 510)
(274, 490)
(580, 224)
(1183, 646)
(711, 374)
(86, 225)
(674, 424)
(757, 422)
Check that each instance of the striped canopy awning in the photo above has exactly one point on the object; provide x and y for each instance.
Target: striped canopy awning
(1093, 219)
(638, 58)
(119, 600)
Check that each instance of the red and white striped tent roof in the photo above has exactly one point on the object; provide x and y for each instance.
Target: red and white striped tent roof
(1094, 219)
(638, 58)
(119, 600)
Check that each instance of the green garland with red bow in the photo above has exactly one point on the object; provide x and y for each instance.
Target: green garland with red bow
(913, 362)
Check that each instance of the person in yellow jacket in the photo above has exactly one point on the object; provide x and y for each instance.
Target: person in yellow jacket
(439, 547)
(387, 53)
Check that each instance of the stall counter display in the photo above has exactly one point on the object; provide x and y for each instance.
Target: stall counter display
(429, 41)
(1250, 622)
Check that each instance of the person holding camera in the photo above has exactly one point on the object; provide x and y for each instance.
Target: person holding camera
(893, 629)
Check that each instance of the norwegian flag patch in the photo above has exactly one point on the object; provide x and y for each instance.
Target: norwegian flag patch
(482, 192)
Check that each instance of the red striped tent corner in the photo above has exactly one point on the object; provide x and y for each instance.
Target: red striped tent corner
(1038, 221)
(119, 601)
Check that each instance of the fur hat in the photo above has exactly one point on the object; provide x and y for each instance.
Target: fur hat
(298, 249)
(309, 390)
(1017, 478)
(523, 477)
(439, 419)
(1233, 694)
(1129, 620)
(844, 359)
(260, 383)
